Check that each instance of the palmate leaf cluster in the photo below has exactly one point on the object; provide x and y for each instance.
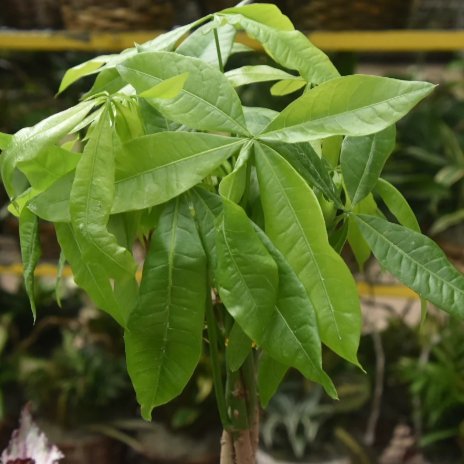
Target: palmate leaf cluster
(245, 204)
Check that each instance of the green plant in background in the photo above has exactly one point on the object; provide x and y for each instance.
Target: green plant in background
(245, 209)
(68, 387)
(295, 415)
(428, 165)
(436, 382)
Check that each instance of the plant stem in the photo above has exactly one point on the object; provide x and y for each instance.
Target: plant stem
(218, 49)
(240, 441)
(216, 365)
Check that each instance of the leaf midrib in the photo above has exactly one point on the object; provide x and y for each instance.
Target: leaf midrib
(404, 254)
(168, 305)
(365, 172)
(297, 222)
(90, 187)
(87, 269)
(177, 161)
(336, 115)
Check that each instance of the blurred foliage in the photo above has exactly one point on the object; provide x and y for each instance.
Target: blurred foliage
(300, 418)
(70, 364)
(435, 381)
(79, 383)
(28, 84)
(428, 164)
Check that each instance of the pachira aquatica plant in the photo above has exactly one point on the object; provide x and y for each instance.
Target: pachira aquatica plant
(245, 210)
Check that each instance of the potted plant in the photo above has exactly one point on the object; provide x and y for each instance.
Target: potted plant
(244, 210)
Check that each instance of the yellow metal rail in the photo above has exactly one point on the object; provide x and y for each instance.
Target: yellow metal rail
(365, 41)
(364, 288)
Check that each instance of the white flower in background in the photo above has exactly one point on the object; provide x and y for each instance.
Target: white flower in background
(28, 445)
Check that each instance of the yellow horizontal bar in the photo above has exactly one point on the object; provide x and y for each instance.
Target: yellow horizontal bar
(382, 290)
(389, 41)
(366, 41)
(72, 41)
(364, 288)
(42, 270)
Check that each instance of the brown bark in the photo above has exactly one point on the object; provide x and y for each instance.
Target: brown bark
(239, 447)
(243, 449)
(227, 448)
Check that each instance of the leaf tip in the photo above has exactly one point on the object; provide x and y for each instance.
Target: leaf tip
(146, 411)
(330, 389)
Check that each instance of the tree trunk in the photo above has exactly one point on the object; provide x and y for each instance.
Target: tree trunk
(239, 442)
(240, 447)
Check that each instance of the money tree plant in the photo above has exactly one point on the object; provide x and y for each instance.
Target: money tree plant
(243, 211)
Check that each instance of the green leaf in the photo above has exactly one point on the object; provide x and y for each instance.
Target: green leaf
(257, 73)
(330, 149)
(238, 348)
(128, 120)
(287, 86)
(358, 245)
(30, 252)
(48, 166)
(84, 69)
(91, 201)
(148, 220)
(168, 40)
(153, 120)
(449, 175)
(258, 118)
(290, 48)
(362, 160)
(415, 260)
(167, 169)
(214, 107)
(125, 227)
(29, 142)
(241, 48)
(85, 124)
(168, 89)
(149, 181)
(233, 185)
(295, 224)
(201, 44)
(19, 203)
(59, 278)
(104, 67)
(446, 221)
(108, 81)
(89, 275)
(397, 204)
(5, 139)
(164, 336)
(270, 376)
(266, 14)
(339, 236)
(294, 325)
(246, 274)
(314, 170)
(207, 206)
(53, 204)
(349, 105)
